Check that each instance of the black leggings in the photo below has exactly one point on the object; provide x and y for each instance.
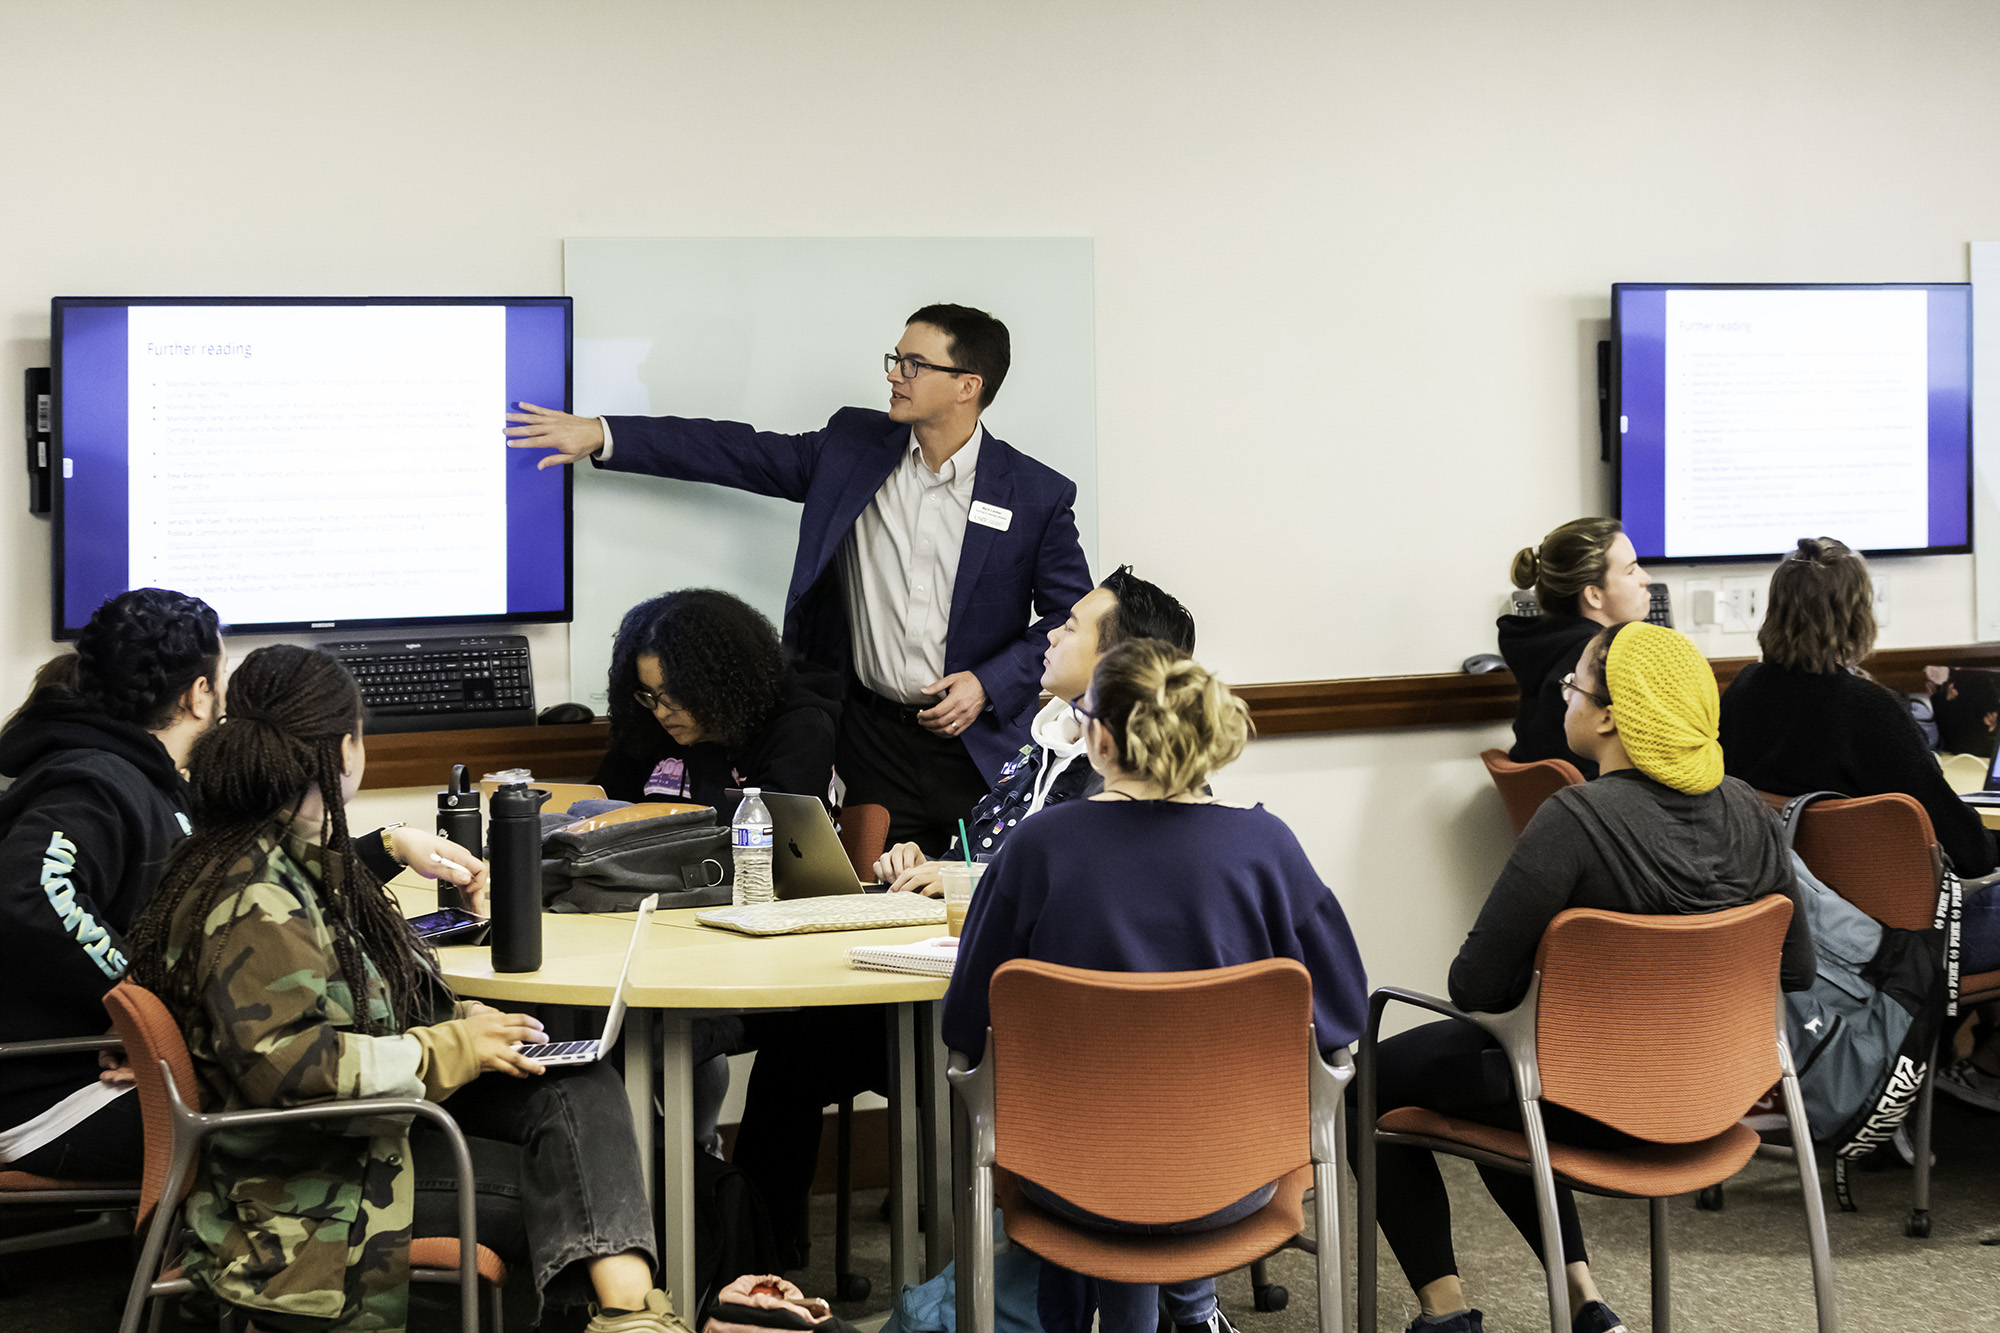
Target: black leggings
(107, 1146)
(1456, 1069)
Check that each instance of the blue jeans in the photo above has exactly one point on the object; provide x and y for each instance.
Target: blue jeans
(1979, 932)
(1125, 1307)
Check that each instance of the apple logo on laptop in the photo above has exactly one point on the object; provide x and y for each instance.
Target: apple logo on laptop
(793, 843)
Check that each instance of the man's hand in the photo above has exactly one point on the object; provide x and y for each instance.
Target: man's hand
(435, 857)
(572, 438)
(495, 1035)
(905, 869)
(963, 695)
(113, 1072)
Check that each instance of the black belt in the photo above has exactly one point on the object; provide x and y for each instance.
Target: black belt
(857, 693)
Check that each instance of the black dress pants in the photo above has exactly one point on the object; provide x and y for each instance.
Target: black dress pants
(886, 757)
(1456, 1069)
(806, 1059)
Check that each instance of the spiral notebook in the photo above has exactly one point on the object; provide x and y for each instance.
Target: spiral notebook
(930, 958)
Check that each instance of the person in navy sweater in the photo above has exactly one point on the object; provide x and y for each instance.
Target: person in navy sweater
(933, 559)
(1223, 885)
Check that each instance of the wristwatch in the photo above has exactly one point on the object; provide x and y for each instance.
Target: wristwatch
(389, 843)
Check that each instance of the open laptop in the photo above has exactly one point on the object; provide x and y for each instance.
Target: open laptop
(587, 1052)
(1990, 796)
(807, 860)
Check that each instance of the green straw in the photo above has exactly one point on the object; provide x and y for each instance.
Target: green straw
(965, 843)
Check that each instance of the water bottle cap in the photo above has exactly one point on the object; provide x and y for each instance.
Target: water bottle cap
(748, 792)
(519, 800)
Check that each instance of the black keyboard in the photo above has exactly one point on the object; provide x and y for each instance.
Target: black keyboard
(433, 684)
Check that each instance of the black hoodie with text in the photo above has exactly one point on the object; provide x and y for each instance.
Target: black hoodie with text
(93, 809)
(1540, 651)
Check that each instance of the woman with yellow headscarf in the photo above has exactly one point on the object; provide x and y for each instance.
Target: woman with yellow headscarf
(1659, 831)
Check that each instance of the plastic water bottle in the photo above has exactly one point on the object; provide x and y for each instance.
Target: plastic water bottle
(750, 845)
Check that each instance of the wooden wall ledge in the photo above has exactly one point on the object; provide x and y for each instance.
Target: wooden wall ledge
(1290, 708)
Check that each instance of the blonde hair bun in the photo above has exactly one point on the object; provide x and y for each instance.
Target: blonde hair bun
(1174, 720)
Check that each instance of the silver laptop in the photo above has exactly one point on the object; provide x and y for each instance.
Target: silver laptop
(807, 860)
(586, 1052)
(1990, 796)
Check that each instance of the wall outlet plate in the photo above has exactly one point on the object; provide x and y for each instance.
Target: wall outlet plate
(1741, 605)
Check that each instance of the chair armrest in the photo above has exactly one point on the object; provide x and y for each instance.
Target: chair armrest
(60, 1046)
(1968, 885)
(1513, 1029)
(1327, 1080)
(974, 1087)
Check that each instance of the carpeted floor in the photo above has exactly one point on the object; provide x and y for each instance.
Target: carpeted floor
(1741, 1269)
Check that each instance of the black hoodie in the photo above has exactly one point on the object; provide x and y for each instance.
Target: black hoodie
(792, 752)
(1540, 651)
(85, 828)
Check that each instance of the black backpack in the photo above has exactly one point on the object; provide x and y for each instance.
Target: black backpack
(1863, 1035)
(732, 1229)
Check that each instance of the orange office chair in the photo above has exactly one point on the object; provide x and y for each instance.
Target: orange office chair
(864, 836)
(1523, 787)
(112, 1201)
(1660, 1026)
(162, 1068)
(1080, 1090)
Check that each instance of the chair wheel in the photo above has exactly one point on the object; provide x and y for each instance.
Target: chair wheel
(1919, 1225)
(851, 1287)
(1270, 1298)
(1710, 1199)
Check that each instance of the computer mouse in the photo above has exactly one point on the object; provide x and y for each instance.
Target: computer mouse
(560, 715)
(1476, 665)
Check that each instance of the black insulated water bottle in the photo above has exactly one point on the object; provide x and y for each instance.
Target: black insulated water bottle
(514, 847)
(460, 820)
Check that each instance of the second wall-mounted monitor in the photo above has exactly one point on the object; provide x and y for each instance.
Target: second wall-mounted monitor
(310, 463)
(1751, 416)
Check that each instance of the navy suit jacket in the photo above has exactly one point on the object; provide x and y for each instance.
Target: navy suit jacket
(1012, 587)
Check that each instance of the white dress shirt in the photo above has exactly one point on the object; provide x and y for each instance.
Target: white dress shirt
(898, 566)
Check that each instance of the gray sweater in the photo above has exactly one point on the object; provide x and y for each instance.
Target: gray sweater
(1625, 843)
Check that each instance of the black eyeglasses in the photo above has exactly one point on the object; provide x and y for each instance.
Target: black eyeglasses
(654, 703)
(909, 367)
(1569, 687)
(1077, 704)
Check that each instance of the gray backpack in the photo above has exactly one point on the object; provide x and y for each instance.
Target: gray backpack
(1863, 1035)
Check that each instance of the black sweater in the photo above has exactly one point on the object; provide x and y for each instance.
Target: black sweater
(1625, 843)
(792, 752)
(94, 808)
(1540, 651)
(1791, 732)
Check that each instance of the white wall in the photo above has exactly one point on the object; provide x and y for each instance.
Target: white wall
(1351, 258)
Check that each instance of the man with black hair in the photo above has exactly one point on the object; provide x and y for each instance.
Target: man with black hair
(933, 559)
(1052, 767)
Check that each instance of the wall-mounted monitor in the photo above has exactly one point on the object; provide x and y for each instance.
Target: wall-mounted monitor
(322, 463)
(1747, 417)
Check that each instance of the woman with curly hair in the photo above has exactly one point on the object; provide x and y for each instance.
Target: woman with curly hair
(703, 701)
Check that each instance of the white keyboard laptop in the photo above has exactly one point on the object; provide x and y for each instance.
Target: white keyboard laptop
(586, 1052)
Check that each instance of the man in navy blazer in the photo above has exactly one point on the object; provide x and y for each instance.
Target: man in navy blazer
(898, 507)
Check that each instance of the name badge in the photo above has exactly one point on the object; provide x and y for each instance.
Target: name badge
(991, 516)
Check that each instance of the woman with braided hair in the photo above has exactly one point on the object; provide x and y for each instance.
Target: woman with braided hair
(1152, 875)
(296, 980)
(702, 701)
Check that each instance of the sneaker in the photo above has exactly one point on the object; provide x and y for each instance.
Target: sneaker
(1767, 1114)
(1215, 1323)
(1465, 1321)
(1596, 1317)
(656, 1317)
(1971, 1085)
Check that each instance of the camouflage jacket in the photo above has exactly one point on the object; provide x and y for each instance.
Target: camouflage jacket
(312, 1220)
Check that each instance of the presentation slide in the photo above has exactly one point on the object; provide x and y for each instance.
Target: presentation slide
(308, 465)
(1753, 417)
